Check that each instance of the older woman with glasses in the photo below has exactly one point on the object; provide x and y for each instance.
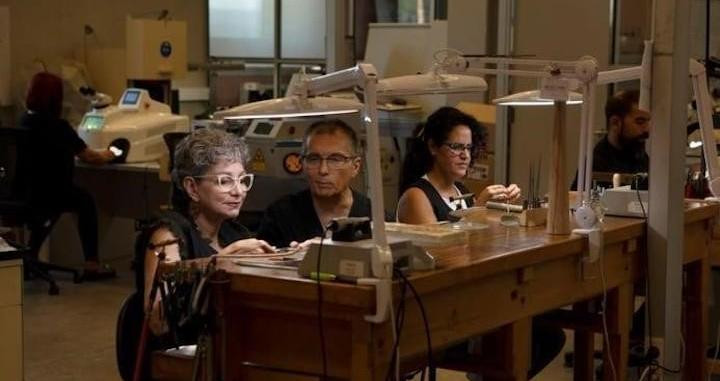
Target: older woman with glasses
(447, 145)
(209, 186)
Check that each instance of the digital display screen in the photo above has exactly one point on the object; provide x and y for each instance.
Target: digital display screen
(263, 128)
(93, 122)
(131, 97)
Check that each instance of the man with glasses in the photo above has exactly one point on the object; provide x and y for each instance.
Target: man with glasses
(331, 160)
(622, 150)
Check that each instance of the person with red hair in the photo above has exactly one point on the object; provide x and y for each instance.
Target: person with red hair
(53, 146)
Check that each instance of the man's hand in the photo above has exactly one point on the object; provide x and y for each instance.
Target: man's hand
(91, 156)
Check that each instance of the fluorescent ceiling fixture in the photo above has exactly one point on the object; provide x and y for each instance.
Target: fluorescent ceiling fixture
(430, 83)
(289, 107)
(532, 98)
(695, 144)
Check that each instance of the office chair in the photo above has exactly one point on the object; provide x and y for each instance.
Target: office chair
(15, 208)
(171, 141)
(127, 334)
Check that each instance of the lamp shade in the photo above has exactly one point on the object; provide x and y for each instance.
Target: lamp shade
(532, 98)
(293, 106)
(430, 83)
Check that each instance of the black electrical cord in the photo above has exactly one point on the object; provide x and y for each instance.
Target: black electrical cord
(647, 282)
(146, 195)
(664, 369)
(399, 322)
(636, 180)
(430, 361)
(654, 365)
(321, 327)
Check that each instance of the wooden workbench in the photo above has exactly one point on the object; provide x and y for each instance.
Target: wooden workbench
(267, 319)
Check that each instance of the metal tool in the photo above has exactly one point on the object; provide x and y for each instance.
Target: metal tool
(533, 199)
(463, 196)
(509, 219)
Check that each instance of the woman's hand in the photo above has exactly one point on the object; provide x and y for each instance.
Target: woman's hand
(512, 192)
(302, 245)
(247, 246)
(499, 192)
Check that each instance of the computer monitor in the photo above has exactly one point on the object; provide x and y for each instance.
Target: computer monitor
(93, 122)
(131, 98)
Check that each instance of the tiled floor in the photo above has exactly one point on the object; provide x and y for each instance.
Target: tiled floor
(71, 337)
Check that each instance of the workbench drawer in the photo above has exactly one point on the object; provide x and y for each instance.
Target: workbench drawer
(11, 344)
(10, 283)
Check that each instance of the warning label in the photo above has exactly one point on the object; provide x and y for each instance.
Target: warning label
(257, 164)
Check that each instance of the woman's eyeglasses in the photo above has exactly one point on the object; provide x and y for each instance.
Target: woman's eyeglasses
(458, 148)
(333, 161)
(227, 183)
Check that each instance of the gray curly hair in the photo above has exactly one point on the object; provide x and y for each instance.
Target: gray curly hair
(197, 153)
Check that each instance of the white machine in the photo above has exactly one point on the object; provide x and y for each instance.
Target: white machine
(136, 118)
(625, 202)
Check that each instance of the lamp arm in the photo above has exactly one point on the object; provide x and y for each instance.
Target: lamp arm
(354, 76)
(590, 83)
(382, 262)
(646, 77)
(569, 65)
(585, 153)
(619, 75)
(583, 149)
(540, 73)
(698, 78)
(582, 69)
(590, 101)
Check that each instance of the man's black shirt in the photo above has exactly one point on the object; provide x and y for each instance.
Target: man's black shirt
(629, 160)
(293, 218)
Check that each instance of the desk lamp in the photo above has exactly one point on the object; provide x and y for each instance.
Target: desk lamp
(558, 219)
(364, 78)
(698, 77)
(557, 78)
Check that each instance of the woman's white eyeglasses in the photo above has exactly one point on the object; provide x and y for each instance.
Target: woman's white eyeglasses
(227, 183)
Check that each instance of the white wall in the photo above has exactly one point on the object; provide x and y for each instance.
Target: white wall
(697, 28)
(555, 29)
(4, 56)
(467, 32)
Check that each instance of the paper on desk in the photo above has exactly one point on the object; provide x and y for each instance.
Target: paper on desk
(183, 350)
(289, 261)
(5, 246)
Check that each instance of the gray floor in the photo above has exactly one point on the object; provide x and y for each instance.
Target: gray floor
(71, 337)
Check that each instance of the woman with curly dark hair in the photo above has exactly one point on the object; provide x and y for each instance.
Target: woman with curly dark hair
(446, 146)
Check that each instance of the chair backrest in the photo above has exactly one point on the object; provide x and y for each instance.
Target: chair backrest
(127, 334)
(171, 141)
(14, 164)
